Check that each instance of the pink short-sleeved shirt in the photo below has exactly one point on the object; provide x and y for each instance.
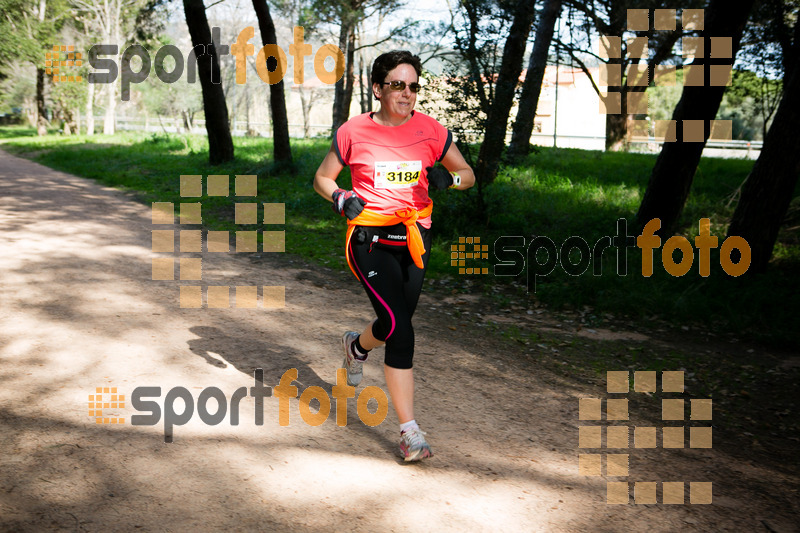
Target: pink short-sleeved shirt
(387, 163)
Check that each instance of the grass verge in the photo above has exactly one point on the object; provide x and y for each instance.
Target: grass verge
(557, 193)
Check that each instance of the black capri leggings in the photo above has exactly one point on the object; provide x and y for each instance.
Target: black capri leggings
(393, 283)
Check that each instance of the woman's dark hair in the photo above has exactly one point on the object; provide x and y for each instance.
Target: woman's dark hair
(387, 62)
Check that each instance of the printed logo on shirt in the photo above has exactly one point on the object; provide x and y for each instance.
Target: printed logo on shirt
(397, 174)
(372, 273)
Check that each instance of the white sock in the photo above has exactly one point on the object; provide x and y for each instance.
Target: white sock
(408, 425)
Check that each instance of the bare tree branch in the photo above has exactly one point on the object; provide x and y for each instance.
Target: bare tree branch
(215, 3)
(388, 37)
(601, 25)
(584, 68)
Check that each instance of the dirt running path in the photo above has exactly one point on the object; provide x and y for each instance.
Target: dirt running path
(78, 310)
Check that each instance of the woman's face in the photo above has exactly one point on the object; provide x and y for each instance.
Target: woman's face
(398, 104)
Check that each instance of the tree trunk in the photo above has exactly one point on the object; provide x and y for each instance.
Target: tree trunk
(305, 103)
(532, 87)
(269, 112)
(109, 122)
(767, 191)
(341, 98)
(497, 120)
(114, 23)
(362, 88)
(220, 145)
(247, 109)
(674, 169)
(90, 110)
(350, 76)
(790, 46)
(617, 127)
(69, 121)
(29, 107)
(41, 117)
(187, 123)
(369, 90)
(617, 124)
(281, 149)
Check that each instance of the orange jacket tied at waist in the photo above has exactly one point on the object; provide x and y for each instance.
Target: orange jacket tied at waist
(407, 216)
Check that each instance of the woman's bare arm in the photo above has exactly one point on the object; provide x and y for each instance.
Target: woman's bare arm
(328, 171)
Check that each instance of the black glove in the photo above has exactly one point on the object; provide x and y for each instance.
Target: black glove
(439, 178)
(347, 203)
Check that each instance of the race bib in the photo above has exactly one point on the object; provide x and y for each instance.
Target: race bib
(397, 174)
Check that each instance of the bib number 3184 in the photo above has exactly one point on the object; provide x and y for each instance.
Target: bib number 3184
(397, 174)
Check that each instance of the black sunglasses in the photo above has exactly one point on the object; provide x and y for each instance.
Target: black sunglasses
(399, 85)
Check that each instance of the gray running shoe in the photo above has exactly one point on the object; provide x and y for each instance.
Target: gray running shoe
(413, 445)
(352, 365)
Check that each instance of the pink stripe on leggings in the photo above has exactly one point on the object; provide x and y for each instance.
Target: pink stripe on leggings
(378, 296)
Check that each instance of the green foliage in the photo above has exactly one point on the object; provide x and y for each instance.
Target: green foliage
(662, 99)
(453, 98)
(67, 97)
(750, 102)
(150, 21)
(767, 38)
(465, 92)
(18, 85)
(169, 99)
(22, 36)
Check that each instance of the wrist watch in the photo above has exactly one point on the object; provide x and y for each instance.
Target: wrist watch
(456, 180)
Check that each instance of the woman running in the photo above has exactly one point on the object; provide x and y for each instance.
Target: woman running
(391, 154)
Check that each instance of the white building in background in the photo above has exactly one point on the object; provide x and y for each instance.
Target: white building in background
(574, 118)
